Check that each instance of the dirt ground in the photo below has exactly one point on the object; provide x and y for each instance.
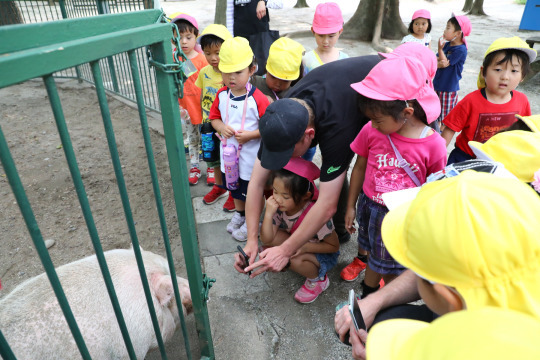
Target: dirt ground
(29, 126)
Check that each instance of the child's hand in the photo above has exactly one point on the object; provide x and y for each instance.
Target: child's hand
(441, 42)
(243, 136)
(271, 206)
(350, 215)
(227, 131)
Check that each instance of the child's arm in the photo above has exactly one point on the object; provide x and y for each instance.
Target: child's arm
(224, 130)
(268, 229)
(330, 244)
(356, 183)
(442, 62)
(447, 135)
(243, 136)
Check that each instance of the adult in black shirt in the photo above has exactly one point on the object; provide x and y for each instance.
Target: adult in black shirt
(337, 120)
(250, 17)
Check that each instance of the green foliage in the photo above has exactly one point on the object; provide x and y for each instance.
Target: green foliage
(520, 2)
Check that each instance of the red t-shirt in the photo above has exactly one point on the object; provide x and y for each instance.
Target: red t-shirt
(478, 119)
(192, 93)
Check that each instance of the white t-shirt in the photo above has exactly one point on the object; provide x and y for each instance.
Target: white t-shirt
(410, 38)
(256, 106)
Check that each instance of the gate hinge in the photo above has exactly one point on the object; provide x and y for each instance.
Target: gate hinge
(207, 284)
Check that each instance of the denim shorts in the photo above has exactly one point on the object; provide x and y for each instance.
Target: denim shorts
(238, 194)
(326, 262)
(369, 216)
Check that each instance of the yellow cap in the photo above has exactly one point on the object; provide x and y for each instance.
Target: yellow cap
(284, 59)
(487, 245)
(484, 334)
(518, 151)
(235, 55)
(533, 122)
(217, 30)
(507, 43)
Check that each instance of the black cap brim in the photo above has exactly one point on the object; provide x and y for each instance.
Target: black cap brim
(275, 160)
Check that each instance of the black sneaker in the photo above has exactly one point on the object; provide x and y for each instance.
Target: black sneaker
(343, 238)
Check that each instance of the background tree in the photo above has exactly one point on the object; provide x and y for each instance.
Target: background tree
(474, 7)
(10, 13)
(301, 4)
(220, 16)
(373, 20)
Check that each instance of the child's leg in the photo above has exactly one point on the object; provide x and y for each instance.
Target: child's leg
(194, 144)
(305, 265)
(308, 266)
(217, 175)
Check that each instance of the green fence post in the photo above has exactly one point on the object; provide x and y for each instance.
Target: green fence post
(170, 112)
(5, 350)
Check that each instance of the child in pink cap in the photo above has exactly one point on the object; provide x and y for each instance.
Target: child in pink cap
(396, 150)
(294, 195)
(190, 103)
(419, 28)
(327, 26)
(452, 52)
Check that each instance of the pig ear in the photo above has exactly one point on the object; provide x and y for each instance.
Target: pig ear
(163, 288)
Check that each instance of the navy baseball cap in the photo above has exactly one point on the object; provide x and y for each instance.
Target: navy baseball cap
(281, 127)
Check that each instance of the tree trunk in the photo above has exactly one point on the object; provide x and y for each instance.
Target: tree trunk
(477, 8)
(10, 13)
(467, 6)
(376, 41)
(148, 4)
(362, 24)
(220, 16)
(301, 4)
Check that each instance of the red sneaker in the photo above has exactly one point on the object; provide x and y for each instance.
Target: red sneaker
(351, 271)
(210, 180)
(229, 204)
(214, 194)
(194, 175)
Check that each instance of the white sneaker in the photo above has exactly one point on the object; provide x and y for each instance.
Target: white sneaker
(241, 233)
(236, 222)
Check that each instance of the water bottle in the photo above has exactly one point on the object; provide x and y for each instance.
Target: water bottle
(230, 163)
(209, 143)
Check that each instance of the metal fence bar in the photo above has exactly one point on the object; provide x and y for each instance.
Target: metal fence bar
(5, 350)
(109, 131)
(157, 193)
(172, 128)
(33, 228)
(85, 206)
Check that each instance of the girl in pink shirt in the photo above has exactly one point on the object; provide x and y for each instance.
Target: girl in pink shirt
(396, 150)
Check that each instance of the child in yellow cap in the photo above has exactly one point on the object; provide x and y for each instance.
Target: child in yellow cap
(283, 68)
(485, 253)
(484, 334)
(492, 107)
(235, 115)
(210, 81)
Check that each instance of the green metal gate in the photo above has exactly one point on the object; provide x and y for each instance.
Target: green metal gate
(68, 43)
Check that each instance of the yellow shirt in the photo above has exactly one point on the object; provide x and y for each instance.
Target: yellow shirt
(210, 81)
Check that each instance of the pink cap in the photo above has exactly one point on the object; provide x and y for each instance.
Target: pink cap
(327, 19)
(465, 25)
(401, 78)
(422, 13)
(188, 18)
(305, 169)
(418, 51)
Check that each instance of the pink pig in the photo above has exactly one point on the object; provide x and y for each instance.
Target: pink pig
(35, 328)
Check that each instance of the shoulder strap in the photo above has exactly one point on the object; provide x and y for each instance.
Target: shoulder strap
(404, 164)
(301, 217)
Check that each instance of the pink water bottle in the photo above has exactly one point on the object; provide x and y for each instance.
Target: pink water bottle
(230, 163)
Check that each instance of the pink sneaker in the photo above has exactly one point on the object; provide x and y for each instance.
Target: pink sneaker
(310, 291)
